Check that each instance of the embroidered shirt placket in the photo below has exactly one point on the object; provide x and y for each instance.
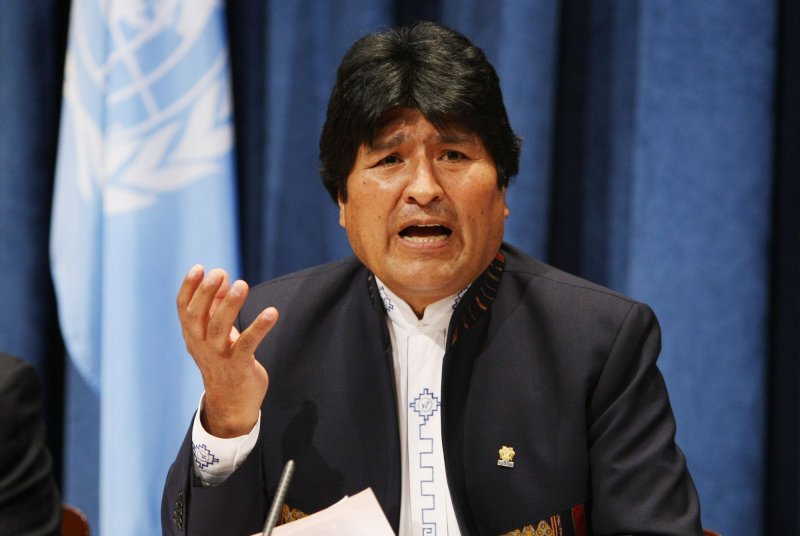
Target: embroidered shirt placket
(418, 347)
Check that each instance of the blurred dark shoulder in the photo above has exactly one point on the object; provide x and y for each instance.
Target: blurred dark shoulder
(29, 500)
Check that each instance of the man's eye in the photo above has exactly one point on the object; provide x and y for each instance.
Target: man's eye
(453, 155)
(389, 160)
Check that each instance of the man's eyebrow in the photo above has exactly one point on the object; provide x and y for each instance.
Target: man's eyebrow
(398, 138)
(454, 136)
(383, 144)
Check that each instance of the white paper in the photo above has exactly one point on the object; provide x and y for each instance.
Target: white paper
(359, 515)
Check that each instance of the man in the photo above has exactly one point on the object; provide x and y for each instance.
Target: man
(474, 389)
(29, 501)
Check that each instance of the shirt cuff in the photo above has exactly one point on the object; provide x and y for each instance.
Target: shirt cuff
(216, 458)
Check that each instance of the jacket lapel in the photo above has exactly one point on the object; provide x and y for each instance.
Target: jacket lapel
(466, 335)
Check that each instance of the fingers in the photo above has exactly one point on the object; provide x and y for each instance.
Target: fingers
(223, 314)
(195, 315)
(208, 307)
(188, 287)
(186, 293)
(235, 382)
(222, 291)
(251, 337)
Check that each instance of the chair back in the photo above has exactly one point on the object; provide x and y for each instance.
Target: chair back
(73, 522)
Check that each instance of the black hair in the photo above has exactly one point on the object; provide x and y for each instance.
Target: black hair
(426, 67)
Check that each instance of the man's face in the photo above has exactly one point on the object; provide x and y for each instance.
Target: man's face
(423, 209)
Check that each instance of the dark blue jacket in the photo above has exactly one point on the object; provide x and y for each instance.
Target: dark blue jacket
(560, 369)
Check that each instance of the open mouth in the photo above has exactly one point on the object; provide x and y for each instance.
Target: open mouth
(422, 234)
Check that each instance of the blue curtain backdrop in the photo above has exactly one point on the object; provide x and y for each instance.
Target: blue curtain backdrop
(660, 159)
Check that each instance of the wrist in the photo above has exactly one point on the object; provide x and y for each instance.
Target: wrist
(227, 422)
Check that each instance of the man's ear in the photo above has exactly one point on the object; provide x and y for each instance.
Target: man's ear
(342, 216)
(506, 210)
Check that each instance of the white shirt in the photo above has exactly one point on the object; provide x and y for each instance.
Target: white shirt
(418, 347)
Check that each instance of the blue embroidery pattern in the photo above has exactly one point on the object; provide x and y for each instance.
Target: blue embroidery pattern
(458, 297)
(425, 405)
(387, 301)
(203, 457)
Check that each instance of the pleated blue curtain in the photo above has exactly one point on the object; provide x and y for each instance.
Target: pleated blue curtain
(699, 233)
(663, 178)
(32, 40)
(30, 70)
(649, 134)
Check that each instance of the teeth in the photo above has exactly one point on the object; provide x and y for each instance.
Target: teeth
(425, 239)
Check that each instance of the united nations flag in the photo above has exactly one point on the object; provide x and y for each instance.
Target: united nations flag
(144, 190)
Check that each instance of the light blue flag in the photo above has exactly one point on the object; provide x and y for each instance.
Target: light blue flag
(144, 190)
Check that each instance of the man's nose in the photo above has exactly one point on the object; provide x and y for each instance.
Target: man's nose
(423, 185)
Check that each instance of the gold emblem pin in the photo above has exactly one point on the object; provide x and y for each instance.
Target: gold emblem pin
(506, 457)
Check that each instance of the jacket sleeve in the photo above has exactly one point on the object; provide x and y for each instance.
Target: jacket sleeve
(237, 507)
(639, 480)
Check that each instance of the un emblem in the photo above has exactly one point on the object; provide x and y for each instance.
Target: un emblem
(146, 94)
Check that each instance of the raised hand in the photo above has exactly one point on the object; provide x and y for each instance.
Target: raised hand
(235, 382)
